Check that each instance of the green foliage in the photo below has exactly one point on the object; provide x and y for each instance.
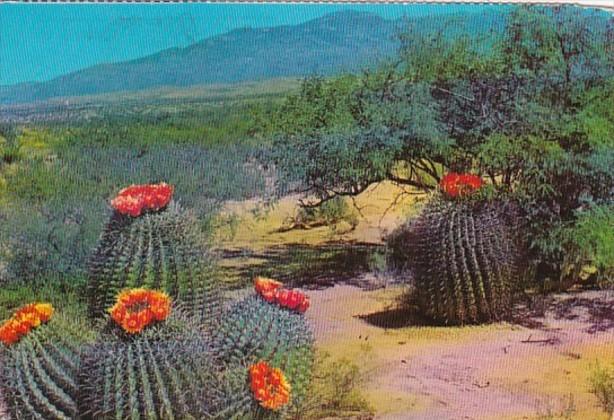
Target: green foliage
(334, 391)
(588, 245)
(253, 329)
(61, 293)
(602, 385)
(464, 258)
(51, 210)
(160, 251)
(329, 213)
(319, 104)
(528, 107)
(39, 380)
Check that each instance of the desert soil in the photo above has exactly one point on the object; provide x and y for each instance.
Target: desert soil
(536, 368)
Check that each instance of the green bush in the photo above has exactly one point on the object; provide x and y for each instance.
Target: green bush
(329, 213)
(334, 391)
(588, 246)
(602, 385)
(51, 211)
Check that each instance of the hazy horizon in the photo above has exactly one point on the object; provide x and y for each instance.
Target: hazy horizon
(41, 42)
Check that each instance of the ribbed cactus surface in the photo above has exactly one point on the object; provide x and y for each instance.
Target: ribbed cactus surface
(147, 378)
(253, 329)
(157, 250)
(465, 262)
(39, 379)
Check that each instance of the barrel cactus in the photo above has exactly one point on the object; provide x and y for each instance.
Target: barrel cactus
(39, 376)
(156, 245)
(269, 326)
(463, 255)
(147, 378)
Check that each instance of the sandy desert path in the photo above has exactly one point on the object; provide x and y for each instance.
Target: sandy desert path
(537, 369)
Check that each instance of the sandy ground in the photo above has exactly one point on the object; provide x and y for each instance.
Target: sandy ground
(502, 371)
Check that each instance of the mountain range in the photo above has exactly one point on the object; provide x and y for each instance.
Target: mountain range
(343, 41)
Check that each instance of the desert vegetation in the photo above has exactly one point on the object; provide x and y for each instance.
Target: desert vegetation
(178, 258)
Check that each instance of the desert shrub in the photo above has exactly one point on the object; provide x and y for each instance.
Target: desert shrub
(334, 391)
(51, 211)
(587, 246)
(602, 385)
(329, 213)
(528, 108)
(62, 293)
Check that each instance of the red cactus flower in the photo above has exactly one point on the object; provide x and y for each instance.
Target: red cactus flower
(269, 386)
(292, 299)
(136, 199)
(456, 185)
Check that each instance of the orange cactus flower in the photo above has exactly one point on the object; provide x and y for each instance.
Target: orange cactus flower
(269, 386)
(24, 320)
(455, 185)
(135, 309)
(267, 288)
(136, 199)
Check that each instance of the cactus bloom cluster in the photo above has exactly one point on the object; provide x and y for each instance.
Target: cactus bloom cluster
(135, 309)
(456, 185)
(24, 320)
(269, 385)
(273, 292)
(136, 199)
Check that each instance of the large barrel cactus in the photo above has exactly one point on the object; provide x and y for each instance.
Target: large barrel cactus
(463, 255)
(39, 377)
(253, 329)
(158, 250)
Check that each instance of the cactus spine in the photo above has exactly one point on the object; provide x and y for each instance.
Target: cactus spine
(253, 329)
(146, 378)
(465, 262)
(158, 250)
(40, 371)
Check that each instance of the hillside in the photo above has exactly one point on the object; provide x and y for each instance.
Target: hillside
(344, 41)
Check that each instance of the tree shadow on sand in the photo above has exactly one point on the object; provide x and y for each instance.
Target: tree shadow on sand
(405, 312)
(301, 265)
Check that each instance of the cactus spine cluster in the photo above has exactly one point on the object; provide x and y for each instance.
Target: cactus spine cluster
(146, 378)
(39, 378)
(253, 329)
(464, 260)
(158, 250)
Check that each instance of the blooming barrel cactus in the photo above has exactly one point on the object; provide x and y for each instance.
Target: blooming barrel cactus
(41, 363)
(462, 254)
(150, 241)
(269, 326)
(155, 353)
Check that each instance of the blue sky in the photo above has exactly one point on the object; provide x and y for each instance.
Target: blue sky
(42, 41)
